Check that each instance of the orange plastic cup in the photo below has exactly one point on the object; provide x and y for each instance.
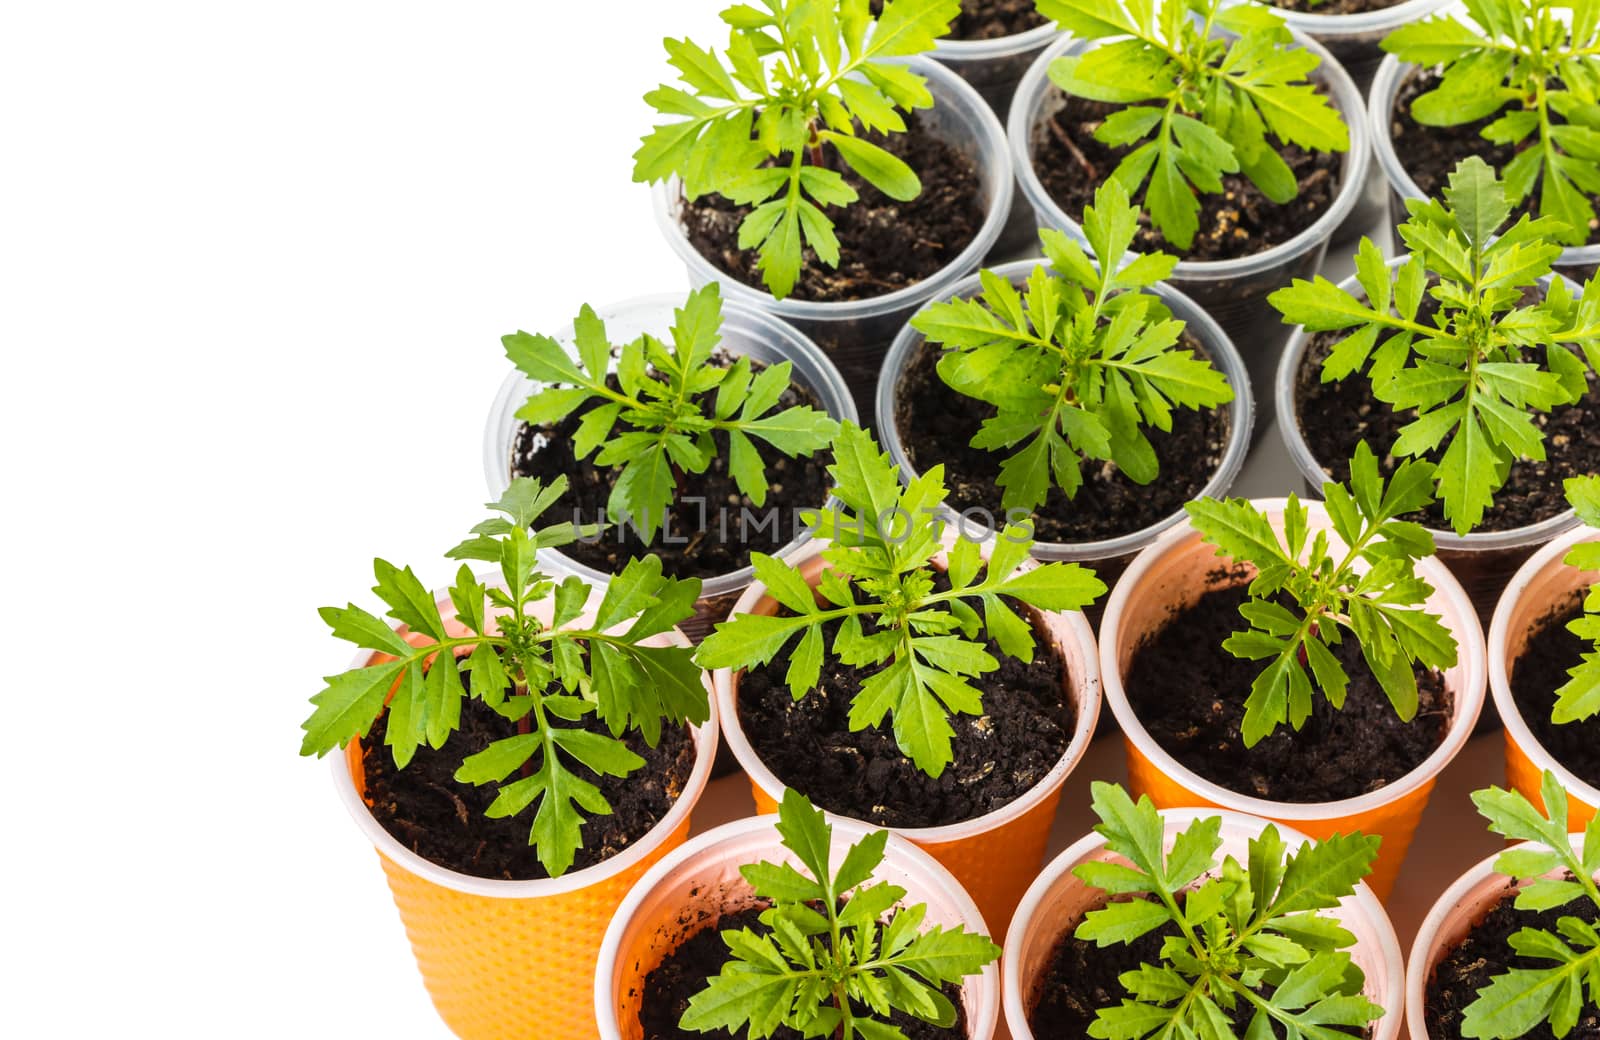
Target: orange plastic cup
(995, 856)
(1543, 584)
(1173, 574)
(508, 960)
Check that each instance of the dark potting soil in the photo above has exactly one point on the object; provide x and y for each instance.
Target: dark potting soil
(1337, 753)
(712, 526)
(429, 812)
(683, 973)
(989, 19)
(1485, 953)
(937, 425)
(1334, 6)
(1238, 221)
(1551, 652)
(1430, 153)
(1335, 417)
(999, 755)
(884, 245)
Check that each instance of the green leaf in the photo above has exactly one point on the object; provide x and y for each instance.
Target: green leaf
(884, 171)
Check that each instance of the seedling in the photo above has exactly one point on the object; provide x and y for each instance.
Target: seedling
(657, 423)
(1203, 105)
(1538, 64)
(546, 677)
(1522, 998)
(765, 123)
(1078, 364)
(1248, 938)
(1579, 698)
(1477, 371)
(1301, 602)
(880, 572)
(832, 970)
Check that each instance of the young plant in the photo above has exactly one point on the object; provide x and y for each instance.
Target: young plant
(1538, 63)
(765, 123)
(658, 425)
(1522, 998)
(1202, 104)
(1307, 592)
(547, 676)
(880, 584)
(1077, 364)
(1579, 698)
(827, 970)
(1248, 938)
(1478, 370)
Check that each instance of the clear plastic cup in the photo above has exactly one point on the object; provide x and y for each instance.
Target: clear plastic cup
(1575, 262)
(1482, 561)
(1112, 555)
(1233, 291)
(856, 333)
(746, 331)
(1354, 38)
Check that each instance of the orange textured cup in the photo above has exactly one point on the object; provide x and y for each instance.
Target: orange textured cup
(1173, 574)
(508, 960)
(1543, 584)
(995, 856)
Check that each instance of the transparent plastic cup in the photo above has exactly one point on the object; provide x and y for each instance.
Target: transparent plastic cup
(1234, 292)
(1058, 901)
(692, 888)
(1112, 555)
(1576, 262)
(1354, 38)
(1482, 561)
(747, 332)
(855, 334)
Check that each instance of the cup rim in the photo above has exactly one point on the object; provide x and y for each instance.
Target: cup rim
(965, 51)
(1379, 20)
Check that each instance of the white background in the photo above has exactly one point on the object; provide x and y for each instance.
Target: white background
(255, 261)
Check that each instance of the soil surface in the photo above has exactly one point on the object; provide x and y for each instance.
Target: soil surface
(884, 245)
(1238, 221)
(999, 756)
(1334, 6)
(1533, 490)
(687, 549)
(1337, 753)
(937, 425)
(443, 821)
(1430, 153)
(1551, 653)
(1485, 953)
(683, 973)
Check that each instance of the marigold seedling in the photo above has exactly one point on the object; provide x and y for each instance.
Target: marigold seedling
(1307, 592)
(657, 424)
(1579, 698)
(1078, 364)
(1538, 64)
(1522, 998)
(880, 570)
(1478, 371)
(832, 970)
(547, 677)
(765, 123)
(1203, 105)
(1249, 937)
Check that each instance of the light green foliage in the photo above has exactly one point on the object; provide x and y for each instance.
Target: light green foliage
(1579, 698)
(1479, 370)
(1538, 64)
(799, 82)
(550, 676)
(1522, 998)
(1369, 587)
(659, 425)
(1078, 363)
(1203, 105)
(880, 570)
(822, 963)
(1251, 936)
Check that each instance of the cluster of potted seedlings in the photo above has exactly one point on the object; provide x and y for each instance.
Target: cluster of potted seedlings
(901, 629)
